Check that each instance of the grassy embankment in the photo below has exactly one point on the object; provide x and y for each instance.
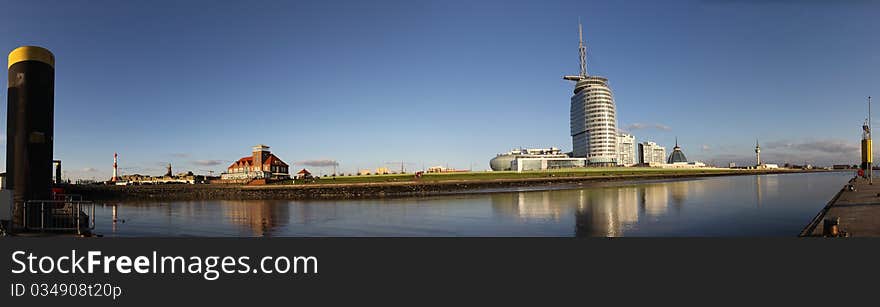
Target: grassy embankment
(481, 176)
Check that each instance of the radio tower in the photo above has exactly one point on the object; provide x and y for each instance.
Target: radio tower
(115, 173)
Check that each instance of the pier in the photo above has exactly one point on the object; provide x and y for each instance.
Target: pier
(853, 212)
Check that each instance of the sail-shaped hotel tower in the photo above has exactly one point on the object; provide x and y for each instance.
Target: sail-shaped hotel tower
(593, 115)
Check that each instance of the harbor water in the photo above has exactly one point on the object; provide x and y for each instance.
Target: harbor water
(754, 205)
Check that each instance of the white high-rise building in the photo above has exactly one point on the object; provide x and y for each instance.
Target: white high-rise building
(593, 116)
(626, 149)
(651, 153)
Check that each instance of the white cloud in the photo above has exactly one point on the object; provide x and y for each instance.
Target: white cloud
(640, 126)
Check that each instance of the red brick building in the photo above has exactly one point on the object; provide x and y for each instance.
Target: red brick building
(260, 164)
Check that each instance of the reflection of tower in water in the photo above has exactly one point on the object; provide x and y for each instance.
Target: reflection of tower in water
(766, 186)
(536, 205)
(655, 198)
(758, 190)
(678, 192)
(606, 212)
(531, 205)
(261, 217)
(115, 209)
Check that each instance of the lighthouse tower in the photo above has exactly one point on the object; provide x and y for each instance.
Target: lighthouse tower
(115, 172)
(757, 153)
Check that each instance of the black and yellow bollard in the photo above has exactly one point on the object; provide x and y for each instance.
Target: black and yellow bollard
(866, 156)
(29, 125)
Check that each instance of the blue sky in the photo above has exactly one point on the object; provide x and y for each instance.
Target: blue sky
(442, 82)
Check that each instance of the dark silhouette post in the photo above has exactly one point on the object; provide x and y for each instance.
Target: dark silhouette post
(29, 125)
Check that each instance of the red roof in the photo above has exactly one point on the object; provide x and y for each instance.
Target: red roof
(244, 161)
(273, 160)
(303, 171)
(249, 161)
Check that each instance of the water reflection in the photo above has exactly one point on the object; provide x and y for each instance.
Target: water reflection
(655, 200)
(529, 206)
(717, 206)
(606, 212)
(261, 217)
(601, 211)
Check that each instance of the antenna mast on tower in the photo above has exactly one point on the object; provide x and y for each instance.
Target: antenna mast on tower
(582, 50)
(582, 53)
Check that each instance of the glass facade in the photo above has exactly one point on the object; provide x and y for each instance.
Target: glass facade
(594, 122)
(537, 164)
(551, 164)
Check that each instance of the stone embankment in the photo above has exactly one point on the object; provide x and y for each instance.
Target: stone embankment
(173, 192)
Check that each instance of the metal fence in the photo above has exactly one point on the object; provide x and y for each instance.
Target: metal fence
(65, 213)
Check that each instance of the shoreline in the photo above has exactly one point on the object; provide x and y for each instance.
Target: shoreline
(372, 190)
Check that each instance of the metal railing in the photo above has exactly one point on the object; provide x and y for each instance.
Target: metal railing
(64, 214)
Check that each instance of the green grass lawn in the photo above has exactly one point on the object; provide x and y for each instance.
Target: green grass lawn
(573, 172)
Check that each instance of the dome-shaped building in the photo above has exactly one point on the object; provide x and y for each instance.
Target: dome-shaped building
(502, 162)
(677, 156)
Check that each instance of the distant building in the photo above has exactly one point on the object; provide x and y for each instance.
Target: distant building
(626, 149)
(261, 164)
(693, 164)
(537, 164)
(759, 164)
(382, 171)
(757, 153)
(304, 174)
(502, 162)
(442, 169)
(138, 179)
(651, 153)
(677, 156)
(677, 159)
